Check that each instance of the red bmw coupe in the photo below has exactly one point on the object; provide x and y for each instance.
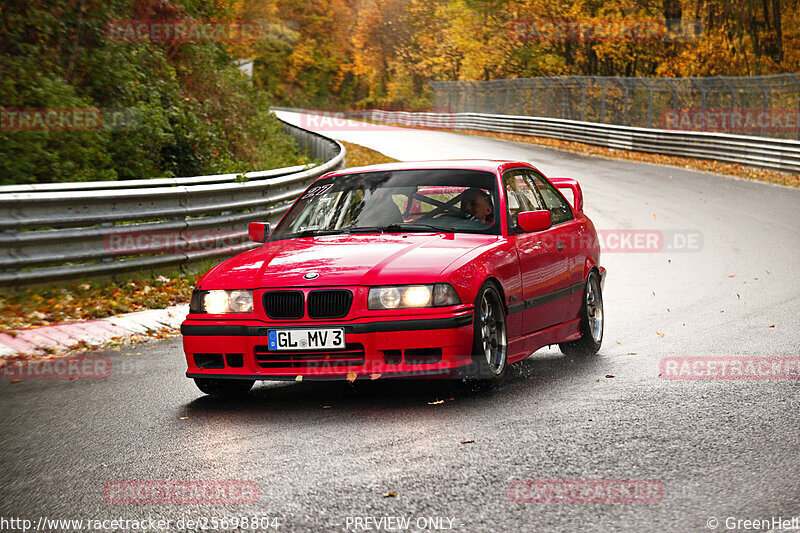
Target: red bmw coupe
(436, 268)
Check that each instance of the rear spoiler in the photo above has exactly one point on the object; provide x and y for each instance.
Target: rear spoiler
(573, 185)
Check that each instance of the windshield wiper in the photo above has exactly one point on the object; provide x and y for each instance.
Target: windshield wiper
(415, 226)
(318, 232)
(366, 229)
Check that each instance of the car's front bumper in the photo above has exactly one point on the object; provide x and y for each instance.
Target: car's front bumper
(419, 347)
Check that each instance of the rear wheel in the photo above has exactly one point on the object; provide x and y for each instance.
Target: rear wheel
(591, 320)
(224, 388)
(490, 343)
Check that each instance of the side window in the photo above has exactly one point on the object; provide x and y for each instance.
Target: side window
(560, 210)
(519, 195)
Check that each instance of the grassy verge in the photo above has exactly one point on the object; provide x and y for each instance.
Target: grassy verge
(359, 156)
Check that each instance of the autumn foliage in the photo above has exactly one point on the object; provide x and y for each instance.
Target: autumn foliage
(337, 53)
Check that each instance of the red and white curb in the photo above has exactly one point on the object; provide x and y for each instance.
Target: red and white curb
(98, 332)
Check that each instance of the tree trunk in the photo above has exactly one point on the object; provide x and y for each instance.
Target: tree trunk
(776, 25)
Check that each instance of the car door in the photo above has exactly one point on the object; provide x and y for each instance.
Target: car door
(568, 234)
(540, 268)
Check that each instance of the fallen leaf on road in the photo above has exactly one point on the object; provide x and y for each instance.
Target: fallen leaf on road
(732, 275)
(631, 353)
(659, 334)
(389, 494)
(467, 441)
(351, 376)
(619, 342)
(772, 326)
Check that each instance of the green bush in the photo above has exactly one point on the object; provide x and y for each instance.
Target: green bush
(189, 109)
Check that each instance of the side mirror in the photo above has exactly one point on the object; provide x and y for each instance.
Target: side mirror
(259, 231)
(534, 220)
(573, 185)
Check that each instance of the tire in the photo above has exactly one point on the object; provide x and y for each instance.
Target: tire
(224, 388)
(591, 320)
(489, 338)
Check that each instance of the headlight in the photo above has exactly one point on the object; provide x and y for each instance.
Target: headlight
(219, 302)
(240, 301)
(216, 302)
(412, 296)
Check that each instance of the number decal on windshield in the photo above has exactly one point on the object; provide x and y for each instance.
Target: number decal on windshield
(316, 191)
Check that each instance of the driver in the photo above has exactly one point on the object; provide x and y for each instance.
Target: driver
(476, 204)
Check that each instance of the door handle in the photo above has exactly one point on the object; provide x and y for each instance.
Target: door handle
(560, 245)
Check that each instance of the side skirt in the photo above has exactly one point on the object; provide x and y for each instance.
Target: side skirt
(524, 346)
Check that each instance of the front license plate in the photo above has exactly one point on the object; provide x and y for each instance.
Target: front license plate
(305, 339)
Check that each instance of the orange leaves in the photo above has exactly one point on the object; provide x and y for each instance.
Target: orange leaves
(83, 301)
(359, 156)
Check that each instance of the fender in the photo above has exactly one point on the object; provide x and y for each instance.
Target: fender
(590, 265)
(500, 262)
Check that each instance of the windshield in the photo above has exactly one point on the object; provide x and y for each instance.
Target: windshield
(453, 201)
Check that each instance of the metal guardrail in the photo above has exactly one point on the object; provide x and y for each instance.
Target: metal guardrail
(760, 152)
(765, 106)
(52, 232)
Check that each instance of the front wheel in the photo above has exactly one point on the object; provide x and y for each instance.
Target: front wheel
(591, 320)
(224, 388)
(490, 343)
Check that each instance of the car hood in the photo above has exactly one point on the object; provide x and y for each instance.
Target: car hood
(344, 260)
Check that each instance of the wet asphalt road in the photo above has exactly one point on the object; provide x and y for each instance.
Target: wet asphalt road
(324, 454)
